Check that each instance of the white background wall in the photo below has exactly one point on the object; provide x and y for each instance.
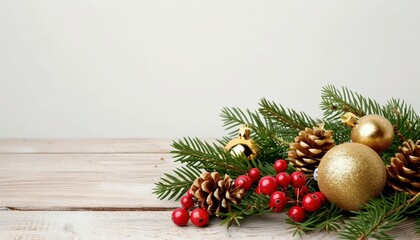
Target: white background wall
(132, 68)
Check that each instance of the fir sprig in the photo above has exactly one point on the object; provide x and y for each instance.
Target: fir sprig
(327, 218)
(404, 118)
(380, 216)
(199, 154)
(251, 205)
(289, 120)
(173, 186)
(234, 117)
(335, 103)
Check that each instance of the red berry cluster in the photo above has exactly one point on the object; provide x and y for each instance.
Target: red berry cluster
(277, 188)
(180, 216)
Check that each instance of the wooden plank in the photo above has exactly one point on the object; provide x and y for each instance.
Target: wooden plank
(149, 225)
(82, 181)
(43, 146)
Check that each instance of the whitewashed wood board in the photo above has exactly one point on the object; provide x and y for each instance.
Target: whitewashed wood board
(148, 225)
(107, 183)
(129, 145)
(73, 181)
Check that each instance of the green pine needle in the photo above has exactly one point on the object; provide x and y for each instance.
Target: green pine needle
(380, 216)
(327, 218)
(290, 121)
(211, 157)
(335, 103)
(173, 186)
(251, 205)
(404, 118)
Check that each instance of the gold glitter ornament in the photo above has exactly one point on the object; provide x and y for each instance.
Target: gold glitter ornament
(243, 144)
(372, 130)
(350, 174)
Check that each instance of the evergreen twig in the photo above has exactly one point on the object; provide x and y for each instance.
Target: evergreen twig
(404, 118)
(379, 217)
(251, 205)
(335, 103)
(288, 119)
(173, 186)
(327, 218)
(211, 157)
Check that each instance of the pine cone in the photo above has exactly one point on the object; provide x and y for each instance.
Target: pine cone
(404, 171)
(309, 147)
(215, 194)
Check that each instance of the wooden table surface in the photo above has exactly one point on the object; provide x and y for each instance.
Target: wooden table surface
(102, 189)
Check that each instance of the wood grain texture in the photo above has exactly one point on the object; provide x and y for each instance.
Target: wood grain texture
(141, 145)
(148, 225)
(74, 181)
(132, 225)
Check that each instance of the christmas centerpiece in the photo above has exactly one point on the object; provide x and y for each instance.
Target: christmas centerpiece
(355, 171)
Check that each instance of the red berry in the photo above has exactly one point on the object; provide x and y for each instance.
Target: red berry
(180, 216)
(296, 213)
(257, 190)
(280, 165)
(199, 217)
(277, 201)
(283, 179)
(244, 182)
(268, 185)
(187, 202)
(321, 197)
(254, 174)
(311, 202)
(190, 192)
(298, 179)
(301, 192)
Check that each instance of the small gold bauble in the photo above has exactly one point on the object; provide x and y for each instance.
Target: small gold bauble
(350, 174)
(371, 130)
(243, 144)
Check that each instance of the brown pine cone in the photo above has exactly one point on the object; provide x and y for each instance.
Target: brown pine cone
(215, 194)
(404, 172)
(309, 147)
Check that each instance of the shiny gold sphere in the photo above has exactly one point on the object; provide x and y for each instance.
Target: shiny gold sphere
(374, 131)
(350, 174)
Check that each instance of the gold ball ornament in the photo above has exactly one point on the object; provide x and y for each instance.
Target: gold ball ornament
(350, 174)
(243, 144)
(371, 130)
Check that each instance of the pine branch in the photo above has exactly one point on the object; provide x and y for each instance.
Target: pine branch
(326, 218)
(173, 186)
(251, 205)
(290, 121)
(210, 157)
(335, 103)
(380, 216)
(404, 118)
(234, 118)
